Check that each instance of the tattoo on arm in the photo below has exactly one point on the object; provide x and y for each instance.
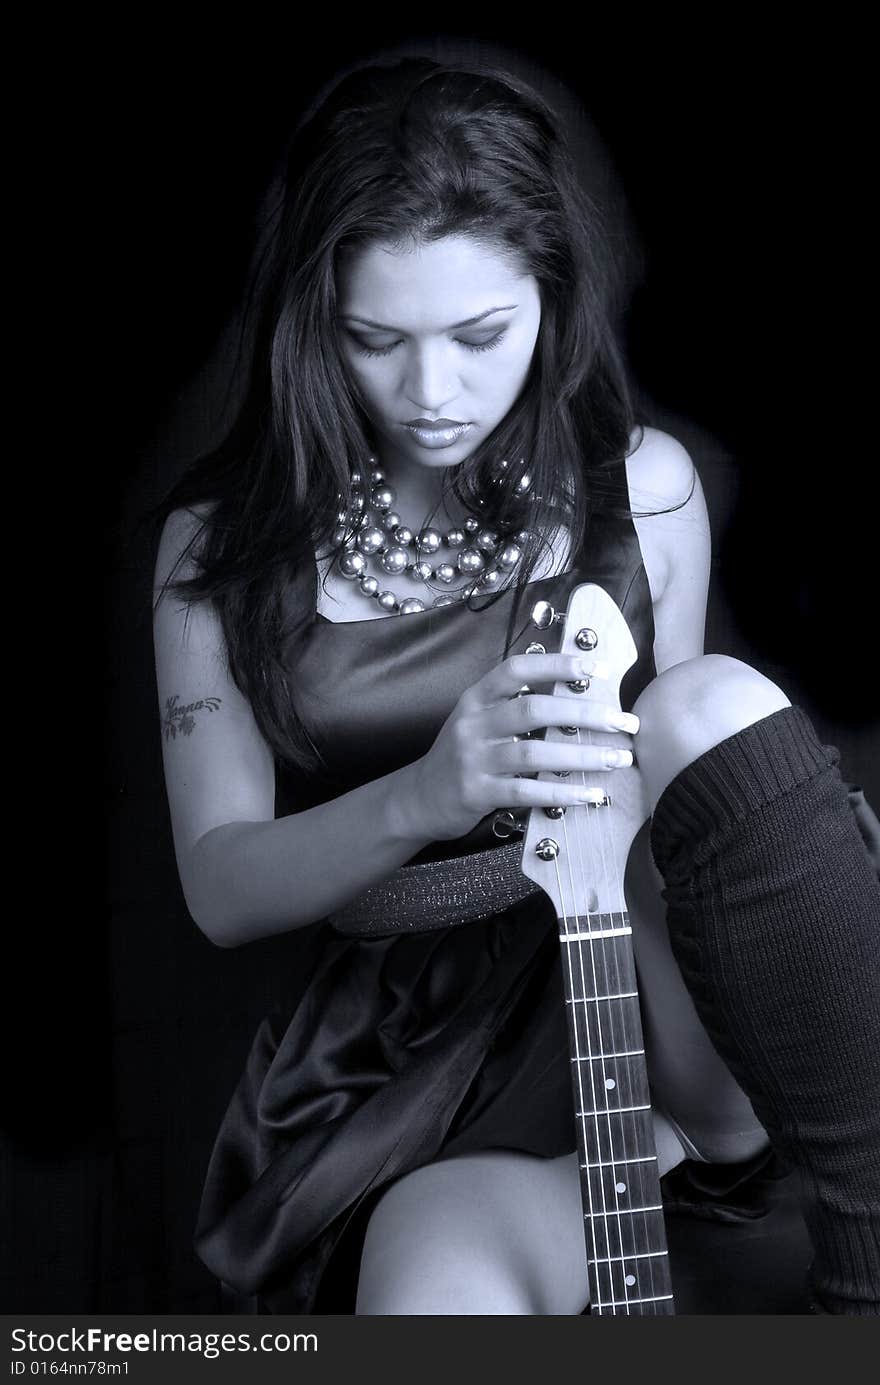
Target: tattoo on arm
(180, 721)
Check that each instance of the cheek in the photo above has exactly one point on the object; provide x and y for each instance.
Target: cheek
(367, 382)
(510, 374)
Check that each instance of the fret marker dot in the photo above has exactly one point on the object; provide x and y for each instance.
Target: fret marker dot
(630, 1280)
(610, 1083)
(620, 1187)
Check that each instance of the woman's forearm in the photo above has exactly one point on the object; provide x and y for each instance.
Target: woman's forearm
(249, 880)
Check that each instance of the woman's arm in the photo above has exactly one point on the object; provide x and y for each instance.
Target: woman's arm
(676, 547)
(246, 875)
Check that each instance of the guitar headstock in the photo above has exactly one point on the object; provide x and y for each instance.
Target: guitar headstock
(578, 854)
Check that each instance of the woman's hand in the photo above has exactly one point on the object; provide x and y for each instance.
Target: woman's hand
(472, 767)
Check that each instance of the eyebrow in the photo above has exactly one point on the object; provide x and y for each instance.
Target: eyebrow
(468, 322)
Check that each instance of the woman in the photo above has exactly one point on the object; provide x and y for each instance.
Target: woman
(437, 425)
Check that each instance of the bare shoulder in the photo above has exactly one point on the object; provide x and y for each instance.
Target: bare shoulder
(669, 508)
(183, 532)
(661, 474)
(670, 518)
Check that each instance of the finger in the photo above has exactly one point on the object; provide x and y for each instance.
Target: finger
(528, 713)
(557, 793)
(536, 757)
(509, 676)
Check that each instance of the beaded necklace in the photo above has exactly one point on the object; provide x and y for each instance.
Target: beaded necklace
(376, 531)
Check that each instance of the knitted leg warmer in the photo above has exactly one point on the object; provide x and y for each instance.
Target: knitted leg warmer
(774, 918)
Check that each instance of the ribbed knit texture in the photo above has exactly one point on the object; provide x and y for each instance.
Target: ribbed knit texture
(774, 918)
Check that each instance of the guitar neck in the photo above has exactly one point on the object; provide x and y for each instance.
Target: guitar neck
(620, 1184)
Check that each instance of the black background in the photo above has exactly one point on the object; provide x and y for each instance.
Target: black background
(742, 153)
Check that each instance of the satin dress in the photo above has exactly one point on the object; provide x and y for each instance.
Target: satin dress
(407, 1049)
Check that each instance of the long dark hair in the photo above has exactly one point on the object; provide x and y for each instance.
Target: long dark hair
(421, 150)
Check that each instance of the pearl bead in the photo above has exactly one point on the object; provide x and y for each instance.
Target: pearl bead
(509, 556)
(351, 565)
(384, 497)
(367, 527)
(371, 540)
(470, 561)
(394, 560)
(429, 541)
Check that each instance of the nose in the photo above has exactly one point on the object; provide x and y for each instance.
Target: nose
(431, 381)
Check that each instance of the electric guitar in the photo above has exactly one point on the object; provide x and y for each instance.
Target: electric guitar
(578, 857)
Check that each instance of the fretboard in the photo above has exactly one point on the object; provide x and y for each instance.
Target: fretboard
(620, 1185)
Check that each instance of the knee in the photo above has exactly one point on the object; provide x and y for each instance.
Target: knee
(691, 707)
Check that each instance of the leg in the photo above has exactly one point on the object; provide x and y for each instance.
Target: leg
(691, 707)
(494, 1232)
(774, 918)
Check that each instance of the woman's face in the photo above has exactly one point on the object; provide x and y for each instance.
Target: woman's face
(441, 333)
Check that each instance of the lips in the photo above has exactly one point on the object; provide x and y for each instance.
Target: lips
(427, 424)
(436, 433)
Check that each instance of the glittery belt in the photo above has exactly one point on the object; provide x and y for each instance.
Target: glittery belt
(439, 894)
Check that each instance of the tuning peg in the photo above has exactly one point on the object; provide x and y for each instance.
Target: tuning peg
(506, 824)
(543, 615)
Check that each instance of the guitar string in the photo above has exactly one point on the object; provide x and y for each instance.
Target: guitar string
(646, 1265)
(603, 1060)
(594, 1106)
(612, 986)
(608, 988)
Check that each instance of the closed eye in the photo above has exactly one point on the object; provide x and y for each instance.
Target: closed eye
(489, 345)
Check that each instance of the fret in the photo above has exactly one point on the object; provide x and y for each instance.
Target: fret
(633, 1211)
(574, 923)
(619, 1163)
(612, 1111)
(594, 936)
(629, 1302)
(600, 1057)
(637, 1255)
(594, 999)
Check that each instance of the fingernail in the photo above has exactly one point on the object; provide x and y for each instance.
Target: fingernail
(618, 757)
(596, 796)
(624, 721)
